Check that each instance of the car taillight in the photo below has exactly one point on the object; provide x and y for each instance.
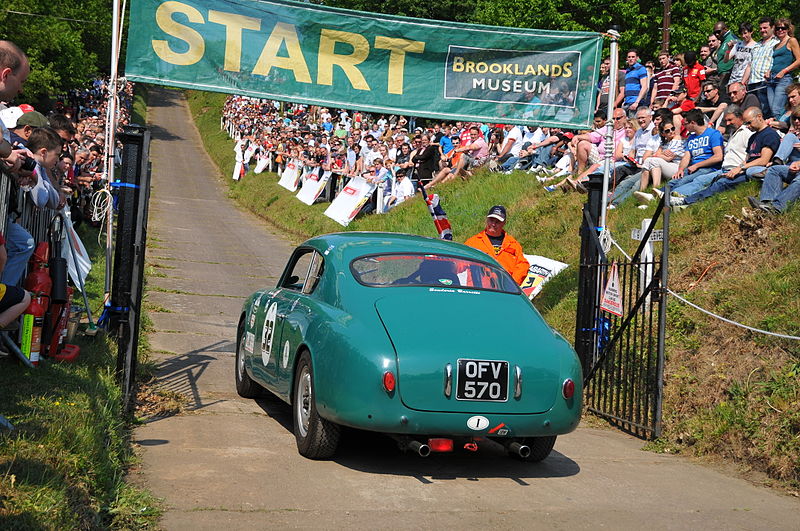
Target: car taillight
(568, 389)
(440, 445)
(388, 381)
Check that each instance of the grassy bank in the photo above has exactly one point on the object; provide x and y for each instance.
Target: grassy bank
(728, 392)
(139, 110)
(64, 465)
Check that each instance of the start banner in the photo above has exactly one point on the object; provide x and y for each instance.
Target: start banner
(372, 62)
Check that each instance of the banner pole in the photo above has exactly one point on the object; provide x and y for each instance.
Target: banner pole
(111, 130)
(609, 141)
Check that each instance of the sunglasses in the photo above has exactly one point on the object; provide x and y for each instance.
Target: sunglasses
(781, 28)
(708, 90)
(618, 117)
(670, 130)
(795, 117)
(748, 122)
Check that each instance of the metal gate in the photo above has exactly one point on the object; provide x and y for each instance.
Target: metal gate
(623, 355)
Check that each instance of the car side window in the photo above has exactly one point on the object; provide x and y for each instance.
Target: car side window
(314, 273)
(297, 277)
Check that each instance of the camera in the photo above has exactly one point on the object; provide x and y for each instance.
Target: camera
(28, 164)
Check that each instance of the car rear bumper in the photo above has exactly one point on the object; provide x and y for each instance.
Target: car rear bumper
(561, 419)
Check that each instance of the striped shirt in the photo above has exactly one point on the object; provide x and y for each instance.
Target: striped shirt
(762, 60)
(664, 79)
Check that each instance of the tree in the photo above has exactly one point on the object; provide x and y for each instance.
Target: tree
(64, 53)
(451, 10)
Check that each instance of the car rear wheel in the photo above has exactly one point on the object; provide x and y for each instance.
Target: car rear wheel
(245, 385)
(317, 438)
(540, 447)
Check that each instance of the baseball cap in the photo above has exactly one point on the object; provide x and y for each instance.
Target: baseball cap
(33, 119)
(681, 88)
(497, 212)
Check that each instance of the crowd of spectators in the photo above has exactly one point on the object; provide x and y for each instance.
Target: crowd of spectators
(53, 159)
(707, 120)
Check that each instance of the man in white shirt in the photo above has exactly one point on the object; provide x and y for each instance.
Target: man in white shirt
(372, 153)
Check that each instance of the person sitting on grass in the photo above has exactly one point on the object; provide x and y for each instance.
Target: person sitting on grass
(760, 150)
(663, 163)
(475, 154)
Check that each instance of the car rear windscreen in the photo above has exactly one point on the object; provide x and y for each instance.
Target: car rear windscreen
(430, 270)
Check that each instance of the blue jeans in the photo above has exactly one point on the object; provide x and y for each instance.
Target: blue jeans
(723, 184)
(772, 189)
(626, 188)
(776, 93)
(786, 151)
(19, 247)
(760, 90)
(700, 182)
(690, 177)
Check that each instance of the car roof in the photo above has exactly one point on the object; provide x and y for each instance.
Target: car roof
(343, 247)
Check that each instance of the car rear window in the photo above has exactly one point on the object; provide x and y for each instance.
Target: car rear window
(430, 270)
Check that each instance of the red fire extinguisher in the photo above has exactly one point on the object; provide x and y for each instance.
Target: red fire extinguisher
(40, 284)
(31, 331)
(38, 280)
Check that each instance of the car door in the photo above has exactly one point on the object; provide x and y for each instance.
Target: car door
(292, 315)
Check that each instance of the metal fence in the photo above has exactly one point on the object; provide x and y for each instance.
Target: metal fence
(16, 204)
(623, 355)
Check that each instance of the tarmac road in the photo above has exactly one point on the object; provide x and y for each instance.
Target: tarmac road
(231, 463)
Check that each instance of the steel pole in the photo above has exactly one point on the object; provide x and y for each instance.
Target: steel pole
(609, 141)
(111, 130)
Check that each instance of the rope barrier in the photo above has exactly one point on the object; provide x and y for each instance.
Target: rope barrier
(707, 312)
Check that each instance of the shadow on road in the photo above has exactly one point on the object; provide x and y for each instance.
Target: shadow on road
(159, 133)
(180, 374)
(376, 453)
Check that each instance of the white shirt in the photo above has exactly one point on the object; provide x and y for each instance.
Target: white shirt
(403, 189)
(534, 137)
(370, 156)
(736, 148)
(513, 137)
(645, 140)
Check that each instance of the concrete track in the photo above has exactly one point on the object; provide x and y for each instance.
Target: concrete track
(230, 463)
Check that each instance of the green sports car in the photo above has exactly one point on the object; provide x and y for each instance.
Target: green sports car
(428, 341)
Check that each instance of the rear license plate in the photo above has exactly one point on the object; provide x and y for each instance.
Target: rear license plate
(484, 380)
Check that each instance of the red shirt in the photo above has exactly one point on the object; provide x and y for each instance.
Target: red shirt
(693, 79)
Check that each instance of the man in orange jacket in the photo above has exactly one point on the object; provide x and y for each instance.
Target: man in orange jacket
(500, 245)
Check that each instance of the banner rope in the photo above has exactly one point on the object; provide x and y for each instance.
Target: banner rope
(707, 312)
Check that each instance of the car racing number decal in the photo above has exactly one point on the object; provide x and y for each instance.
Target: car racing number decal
(268, 334)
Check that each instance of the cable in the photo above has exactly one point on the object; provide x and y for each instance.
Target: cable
(784, 336)
(712, 314)
(102, 200)
(55, 17)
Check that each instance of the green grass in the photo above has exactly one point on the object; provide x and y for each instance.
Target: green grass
(64, 465)
(728, 392)
(139, 110)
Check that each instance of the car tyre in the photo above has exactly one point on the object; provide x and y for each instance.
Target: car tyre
(316, 437)
(245, 386)
(540, 447)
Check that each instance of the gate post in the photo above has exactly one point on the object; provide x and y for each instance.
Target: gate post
(588, 275)
(133, 195)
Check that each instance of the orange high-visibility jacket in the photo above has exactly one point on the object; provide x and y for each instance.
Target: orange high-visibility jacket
(510, 256)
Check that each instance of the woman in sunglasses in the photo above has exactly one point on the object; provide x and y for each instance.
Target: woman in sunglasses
(663, 163)
(785, 60)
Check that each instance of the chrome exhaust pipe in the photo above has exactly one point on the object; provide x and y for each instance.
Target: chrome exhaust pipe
(423, 450)
(522, 450)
